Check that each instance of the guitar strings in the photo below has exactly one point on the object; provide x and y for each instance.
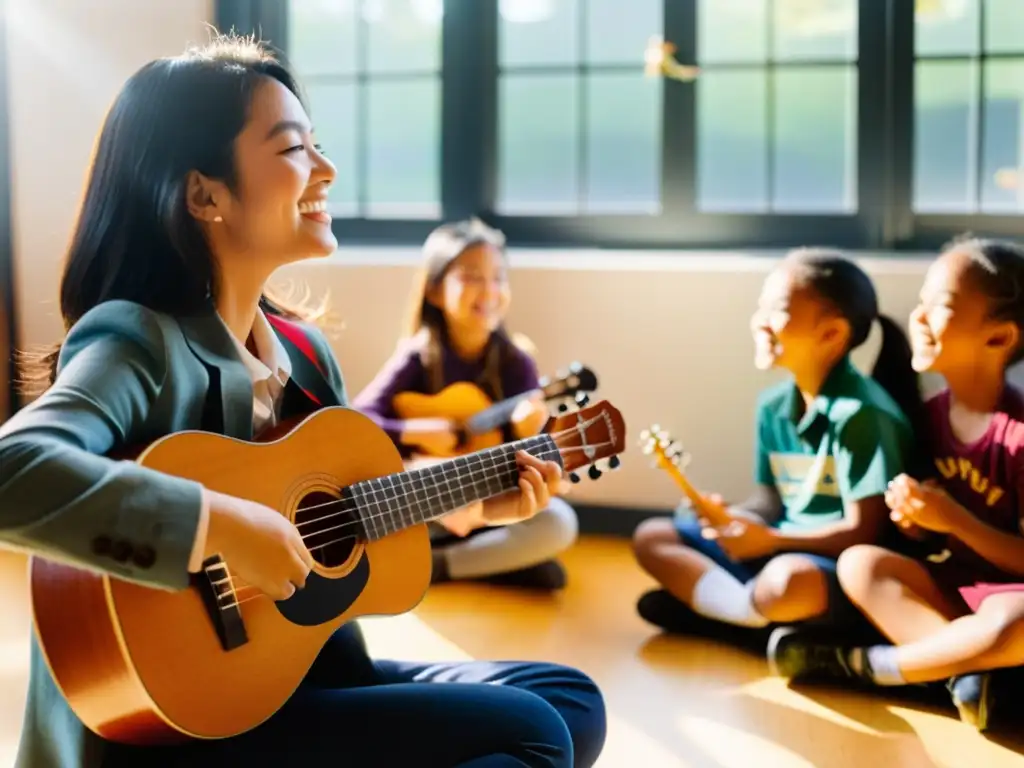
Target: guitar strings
(351, 505)
(233, 592)
(351, 523)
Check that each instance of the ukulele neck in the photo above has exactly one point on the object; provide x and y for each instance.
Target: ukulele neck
(395, 502)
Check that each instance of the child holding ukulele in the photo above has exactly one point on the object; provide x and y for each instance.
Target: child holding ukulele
(952, 619)
(458, 335)
(829, 440)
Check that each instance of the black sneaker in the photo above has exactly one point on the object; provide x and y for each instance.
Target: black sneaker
(664, 611)
(972, 696)
(791, 655)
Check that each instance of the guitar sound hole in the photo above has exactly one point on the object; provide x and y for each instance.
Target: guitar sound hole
(329, 528)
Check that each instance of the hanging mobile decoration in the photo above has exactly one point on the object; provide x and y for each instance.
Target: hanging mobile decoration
(660, 60)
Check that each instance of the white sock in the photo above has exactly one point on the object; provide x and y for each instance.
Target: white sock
(720, 596)
(881, 662)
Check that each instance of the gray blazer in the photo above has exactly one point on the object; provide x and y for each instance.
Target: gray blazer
(126, 376)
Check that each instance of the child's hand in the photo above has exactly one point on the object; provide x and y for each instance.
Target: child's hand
(922, 505)
(744, 539)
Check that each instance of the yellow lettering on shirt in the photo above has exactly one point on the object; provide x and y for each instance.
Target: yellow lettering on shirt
(963, 469)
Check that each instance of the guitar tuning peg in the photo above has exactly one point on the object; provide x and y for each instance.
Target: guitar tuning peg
(594, 472)
(575, 367)
(654, 430)
(573, 477)
(645, 435)
(614, 463)
(563, 407)
(647, 449)
(582, 399)
(544, 381)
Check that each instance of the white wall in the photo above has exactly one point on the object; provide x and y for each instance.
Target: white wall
(67, 61)
(667, 333)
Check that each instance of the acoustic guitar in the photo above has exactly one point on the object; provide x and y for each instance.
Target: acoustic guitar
(140, 665)
(480, 419)
(669, 455)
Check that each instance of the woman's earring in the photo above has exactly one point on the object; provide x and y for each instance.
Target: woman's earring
(218, 219)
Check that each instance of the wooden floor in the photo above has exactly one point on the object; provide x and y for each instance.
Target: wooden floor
(673, 703)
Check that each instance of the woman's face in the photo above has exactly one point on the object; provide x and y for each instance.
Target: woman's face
(278, 211)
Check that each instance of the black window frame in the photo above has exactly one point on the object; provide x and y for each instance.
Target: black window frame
(884, 219)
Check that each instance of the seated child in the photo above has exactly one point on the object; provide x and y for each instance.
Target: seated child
(458, 334)
(949, 618)
(829, 440)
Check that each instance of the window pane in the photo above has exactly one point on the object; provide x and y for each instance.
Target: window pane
(1004, 26)
(532, 32)
(403, 35)
(1003, 140)
(732, 31)
(322, 36)
(945, 122)
(814, 153)
(538, 144)
(403, 148)
(333, 110)
(944, 27)
(732, 156)
(623, 143)
(826, 30)
(617, 31)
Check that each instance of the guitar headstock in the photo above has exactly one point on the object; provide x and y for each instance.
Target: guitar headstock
(577, 382)
(667, 452)
(591, 435)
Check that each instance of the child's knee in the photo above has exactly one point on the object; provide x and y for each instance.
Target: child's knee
(650, 537)
(561, 525)
(787, 580)
(859, 569)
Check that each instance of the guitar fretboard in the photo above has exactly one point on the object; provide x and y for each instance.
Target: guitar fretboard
(394, 502)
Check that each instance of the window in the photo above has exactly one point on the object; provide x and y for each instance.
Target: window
(579, 126)
(777, 106)
(969, 107)
(372, 72)
(857, 123)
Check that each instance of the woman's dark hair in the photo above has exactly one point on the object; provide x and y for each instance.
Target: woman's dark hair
(848, 290)
(440, 250)
(135, 238)
(999, 274)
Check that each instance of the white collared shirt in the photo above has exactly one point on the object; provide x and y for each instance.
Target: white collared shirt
(269, 370)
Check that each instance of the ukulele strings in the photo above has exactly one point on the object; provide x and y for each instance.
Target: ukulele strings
(441, 491)
(350, 505)
(233, 591)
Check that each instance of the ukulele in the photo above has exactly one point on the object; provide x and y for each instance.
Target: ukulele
(480, 419)
(670, 456)
(140, 665)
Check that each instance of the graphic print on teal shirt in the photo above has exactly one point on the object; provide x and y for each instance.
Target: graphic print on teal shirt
(851, 441)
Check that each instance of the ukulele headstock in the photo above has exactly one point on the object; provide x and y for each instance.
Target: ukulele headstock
(577, 383)
(593, 435)
(667, 452)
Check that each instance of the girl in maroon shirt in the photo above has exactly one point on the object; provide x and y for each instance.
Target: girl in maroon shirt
(956, 615)
(457, 334)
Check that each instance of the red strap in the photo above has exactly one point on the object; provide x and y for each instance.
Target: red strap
(297, 337)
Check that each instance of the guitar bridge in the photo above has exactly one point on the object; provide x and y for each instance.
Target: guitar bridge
(214, 585)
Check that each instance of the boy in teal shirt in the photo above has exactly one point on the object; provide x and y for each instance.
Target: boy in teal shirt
(829, 440)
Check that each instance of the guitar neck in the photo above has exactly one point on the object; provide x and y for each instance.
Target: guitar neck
(496, 416)
(394, 502)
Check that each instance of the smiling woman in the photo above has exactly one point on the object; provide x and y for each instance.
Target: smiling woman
(205, 179)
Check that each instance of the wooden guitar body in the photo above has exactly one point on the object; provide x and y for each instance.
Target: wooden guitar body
(102, 636)
(140, 665)
(459, 402)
